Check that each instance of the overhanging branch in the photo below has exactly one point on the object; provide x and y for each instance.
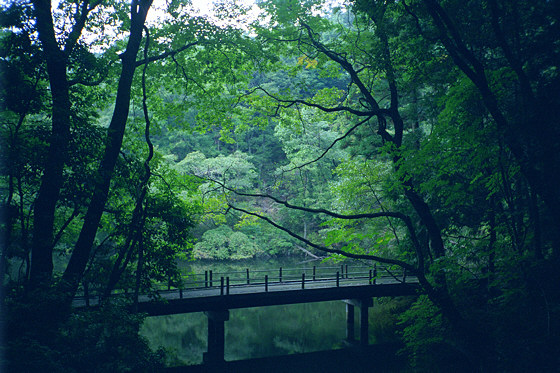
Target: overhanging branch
(391, 214)
(290, 103)
(379, 259)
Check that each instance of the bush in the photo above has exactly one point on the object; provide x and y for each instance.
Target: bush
(223, 243)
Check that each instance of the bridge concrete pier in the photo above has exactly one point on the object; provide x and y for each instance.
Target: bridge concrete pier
(216, 337)
(363, 304)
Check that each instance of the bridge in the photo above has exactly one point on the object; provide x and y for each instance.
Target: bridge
(217, 293)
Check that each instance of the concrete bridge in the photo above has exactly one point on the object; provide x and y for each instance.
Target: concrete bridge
(217, 293)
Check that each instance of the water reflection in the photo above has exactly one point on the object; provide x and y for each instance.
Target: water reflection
(266, 331)
(269, 331)
(282, 330)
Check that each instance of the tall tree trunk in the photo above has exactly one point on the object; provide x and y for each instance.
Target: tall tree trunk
(51, 182)
(115, 134)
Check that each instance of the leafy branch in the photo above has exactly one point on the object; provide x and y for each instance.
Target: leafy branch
(389, 214)
(340, 108)
(379, 259)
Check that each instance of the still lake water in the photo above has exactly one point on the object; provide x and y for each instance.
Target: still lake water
(265, 331)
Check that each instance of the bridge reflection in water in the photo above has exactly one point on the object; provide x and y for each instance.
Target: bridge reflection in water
(217, 293)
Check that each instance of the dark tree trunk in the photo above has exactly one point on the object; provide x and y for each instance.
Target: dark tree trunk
(51, 182)
(115, 134)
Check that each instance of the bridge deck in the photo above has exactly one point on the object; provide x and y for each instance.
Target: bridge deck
(277, 293)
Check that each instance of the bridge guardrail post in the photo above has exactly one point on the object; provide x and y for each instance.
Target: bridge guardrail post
(404, 275)
(280, 275)
(247, 276)
(303, 280)
(370, 276)
(314, 268)
(205, 279)
(346, 270)
(337, 279)
(227, 285)
(210, 275)
(222, 285)
(266, 283)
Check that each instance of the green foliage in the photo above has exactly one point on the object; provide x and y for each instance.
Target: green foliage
(170, 213)
(270, 242)
(236, 168)
(255, 107)
(183, 336)
(223, 243)
(385, 319)
(426, 335)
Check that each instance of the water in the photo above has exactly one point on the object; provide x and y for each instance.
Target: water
(265, 331)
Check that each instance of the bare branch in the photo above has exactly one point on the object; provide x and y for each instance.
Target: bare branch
(95, 82)
(80, 19)
(166, 54)
(347, 66)
(145, 110)
(185, 75)
(391, 214)
(379, 259)
(65, 225)
(325, 109)
(331, 145)
(450, 37)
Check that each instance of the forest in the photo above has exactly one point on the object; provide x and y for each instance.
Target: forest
(422, 135)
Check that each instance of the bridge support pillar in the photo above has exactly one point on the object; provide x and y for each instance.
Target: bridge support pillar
(350, 335)
(363, 305)
(216, 337)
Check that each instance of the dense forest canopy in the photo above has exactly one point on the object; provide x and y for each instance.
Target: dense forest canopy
(420, 134)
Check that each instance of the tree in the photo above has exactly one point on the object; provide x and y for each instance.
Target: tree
(418, 134)
(59, 56)
(441, 169)
(510, 45)
(74, 72)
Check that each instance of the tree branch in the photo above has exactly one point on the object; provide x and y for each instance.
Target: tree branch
(379, 259)
(325, 109)
(347, 66)
(60, 232)
(164, 55)
(80, 21)
(331, 145)
(398, 215)
(514, 62)
(138, 219)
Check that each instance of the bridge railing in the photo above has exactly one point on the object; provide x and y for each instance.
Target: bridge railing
(339, 276)
(343, 275)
